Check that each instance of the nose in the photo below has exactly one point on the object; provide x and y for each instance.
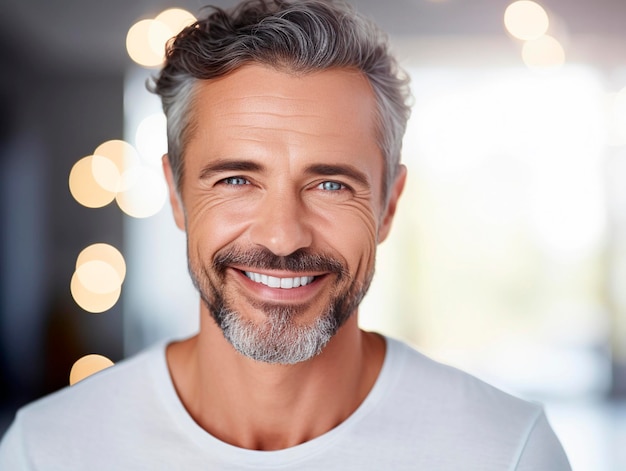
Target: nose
(281, 224)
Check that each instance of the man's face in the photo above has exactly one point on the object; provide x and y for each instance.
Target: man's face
(282, 205)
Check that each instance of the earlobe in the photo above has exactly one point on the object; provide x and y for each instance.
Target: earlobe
(390, 210)
(177, 205)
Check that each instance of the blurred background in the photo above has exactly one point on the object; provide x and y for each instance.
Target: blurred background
(508, 255)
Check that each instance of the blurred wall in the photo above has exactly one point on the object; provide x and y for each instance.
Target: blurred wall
(48, 120)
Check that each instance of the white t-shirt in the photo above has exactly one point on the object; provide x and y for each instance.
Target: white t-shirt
(420, 415)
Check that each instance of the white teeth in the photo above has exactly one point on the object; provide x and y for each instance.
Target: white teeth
(275, 282)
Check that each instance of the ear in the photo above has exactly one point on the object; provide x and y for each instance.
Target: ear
(177, 205)
(390, 210)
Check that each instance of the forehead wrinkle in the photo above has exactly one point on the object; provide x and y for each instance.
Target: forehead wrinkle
(239, 121)
(249, 129)
(283, 131)
(265, 112)
(265, 97)
(246, 104)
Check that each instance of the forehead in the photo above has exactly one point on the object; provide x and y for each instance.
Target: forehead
(328, 111)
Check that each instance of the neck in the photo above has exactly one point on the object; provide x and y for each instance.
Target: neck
(263, 406)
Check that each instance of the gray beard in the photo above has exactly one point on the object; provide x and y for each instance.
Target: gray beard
(279, 339)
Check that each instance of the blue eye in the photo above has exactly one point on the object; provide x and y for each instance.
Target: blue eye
(331, 186)
(235, 181)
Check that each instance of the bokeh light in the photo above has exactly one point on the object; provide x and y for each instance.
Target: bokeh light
(106, 253)
(158, 36)
(141, 42)
(98, 277)
(97, 282)
(115, 171)
(151, 138)
(95, 303)
(146, 192)
(175, 19)
(146, 40)
(84, 187)
(88, 365)
(105, 173)
(111, 159)
(526, 20)
(545, 52)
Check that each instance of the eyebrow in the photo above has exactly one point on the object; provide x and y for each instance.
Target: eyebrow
(338, 169)
(315, 169)
(230, 166)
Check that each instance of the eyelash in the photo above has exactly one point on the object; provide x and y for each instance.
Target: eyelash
(229, 181)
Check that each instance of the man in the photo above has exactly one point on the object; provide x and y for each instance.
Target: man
(285, 122)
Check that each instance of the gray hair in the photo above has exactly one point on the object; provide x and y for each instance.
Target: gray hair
(297, 36)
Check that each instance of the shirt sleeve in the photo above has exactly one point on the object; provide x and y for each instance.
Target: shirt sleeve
(542, 450)
(12, 452)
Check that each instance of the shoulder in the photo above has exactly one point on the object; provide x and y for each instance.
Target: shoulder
(449, 388)
(105, 388)
(458, 413)
(108, 403)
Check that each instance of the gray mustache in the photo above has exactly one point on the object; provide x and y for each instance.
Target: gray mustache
(302, 260)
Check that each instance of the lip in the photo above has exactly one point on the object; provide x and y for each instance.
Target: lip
(261, 292)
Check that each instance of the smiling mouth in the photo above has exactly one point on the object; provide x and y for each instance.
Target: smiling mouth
(275, 282)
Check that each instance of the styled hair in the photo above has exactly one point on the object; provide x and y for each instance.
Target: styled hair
(295, 36)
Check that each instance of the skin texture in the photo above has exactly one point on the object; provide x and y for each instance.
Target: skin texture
(285, 163)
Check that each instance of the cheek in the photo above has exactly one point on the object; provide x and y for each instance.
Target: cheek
(362, 239)
(352, 233)
(214, 222)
